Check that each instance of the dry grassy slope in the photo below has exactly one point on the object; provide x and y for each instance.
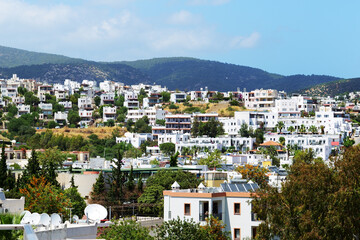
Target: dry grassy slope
(101, 132)
(221, 108)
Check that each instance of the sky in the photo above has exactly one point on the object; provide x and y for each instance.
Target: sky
(278, 36)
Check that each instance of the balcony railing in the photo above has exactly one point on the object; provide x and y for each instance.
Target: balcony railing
(203, 216)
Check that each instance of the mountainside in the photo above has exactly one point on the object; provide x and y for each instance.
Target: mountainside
(334, 88)
(12, 57)
(190, 73)
(176, 73)
(57, 73)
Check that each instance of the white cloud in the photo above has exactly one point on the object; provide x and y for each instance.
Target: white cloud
(245, 42)
(111, 33)
(183, 17)
(181, 40)
(18, 12)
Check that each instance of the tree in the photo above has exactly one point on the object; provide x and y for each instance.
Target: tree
(117, 179)
(127, 229)
(33, 167)
(99, 191)
(244, 130)
(160, 122)
(51, 124)
(318, 201)
(73, 117)
(254, 173)
(110, 123)
(167, 148)
(77, 202)
(213, 161)
(348, 142)
(97, 101)
(50, 161)
(3, 168)
(141, 126)
(195, 128)
(42, 197)
(165, 96)
(291, 129)
(140, 184)
(280, 125)
(189, 230)
(130, 184)
(313, 129)
(173, 159)
(160, 181)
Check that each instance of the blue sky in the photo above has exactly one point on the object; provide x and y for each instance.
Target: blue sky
(280, 36)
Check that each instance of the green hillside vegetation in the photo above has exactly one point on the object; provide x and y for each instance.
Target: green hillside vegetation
(176, 73)
(333, 88)
(12, 57)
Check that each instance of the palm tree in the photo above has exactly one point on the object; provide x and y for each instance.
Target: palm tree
(302, 128)
(291, 129)
(322, 127)
(280, 125)
(313, 129)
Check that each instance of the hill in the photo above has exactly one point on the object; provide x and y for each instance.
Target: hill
(334, 88)
(176, 73)
(12, 57)
(190, 73)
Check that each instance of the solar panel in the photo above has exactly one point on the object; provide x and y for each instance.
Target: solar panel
(233, 187)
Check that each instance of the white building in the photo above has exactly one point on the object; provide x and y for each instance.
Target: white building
(85, 103)
(86, 117)
(8, 205)
(231, 203)
(136, 139)
(262, 99)
(178, 97)
(109, 113)
(67, 105)
(23, 109)
(322, 145)
(151, 113)
(61, 118)
(107, 98)
(175, 138)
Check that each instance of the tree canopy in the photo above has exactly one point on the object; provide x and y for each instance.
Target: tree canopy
(318, 200)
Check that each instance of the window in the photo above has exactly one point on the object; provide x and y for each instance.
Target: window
(237, 209)
(187, 209)
(237, 233)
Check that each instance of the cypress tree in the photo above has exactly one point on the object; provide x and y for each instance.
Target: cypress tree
(33, 167)
(3, 167)
(140, 184)
(173, 160)
(130, 183)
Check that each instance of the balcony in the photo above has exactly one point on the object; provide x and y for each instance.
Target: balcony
(203, 216)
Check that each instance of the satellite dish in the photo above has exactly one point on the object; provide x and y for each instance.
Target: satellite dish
(55, 219)
(26, 217)
(75, 218)
(95, 212)
(34, 219)
(26, 213)
(45, 219)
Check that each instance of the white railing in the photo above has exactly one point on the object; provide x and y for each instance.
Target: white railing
(29, 233)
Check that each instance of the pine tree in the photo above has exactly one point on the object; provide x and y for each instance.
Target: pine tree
(33, 167)
(130, 183)
(72, 182)
(99, 192)
(3, 168)
(140, 184)
(117, 179)
(10, 182)
(173, 160)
